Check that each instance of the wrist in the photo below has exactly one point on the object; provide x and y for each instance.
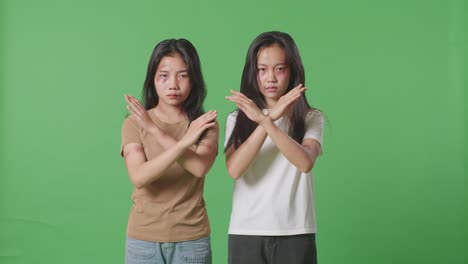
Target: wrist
(272, 116)
(260, 117)
(185, 142)
(265, 120)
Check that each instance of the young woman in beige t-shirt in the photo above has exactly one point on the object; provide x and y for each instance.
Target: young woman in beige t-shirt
(169, 145)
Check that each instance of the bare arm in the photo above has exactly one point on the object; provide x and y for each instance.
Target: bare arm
(142, 171)
(238, 160)
(300, 155)
(197, 159)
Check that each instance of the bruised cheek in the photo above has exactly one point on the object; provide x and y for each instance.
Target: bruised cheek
(259, 80)
(283, 75)
(261, 77)
(159, 79)
(158, 82)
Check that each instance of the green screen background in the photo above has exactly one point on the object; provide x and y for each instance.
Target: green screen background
(390, 76)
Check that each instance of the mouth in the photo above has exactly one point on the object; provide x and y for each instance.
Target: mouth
(271, 89)
(173, 96)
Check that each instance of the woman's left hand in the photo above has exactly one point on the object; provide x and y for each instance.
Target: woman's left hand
(286, 102)
(144, 120)
(247, 106)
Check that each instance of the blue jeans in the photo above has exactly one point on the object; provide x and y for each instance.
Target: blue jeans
(145, 252)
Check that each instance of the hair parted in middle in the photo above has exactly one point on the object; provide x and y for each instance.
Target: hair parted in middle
(250, 87)
(193, 105)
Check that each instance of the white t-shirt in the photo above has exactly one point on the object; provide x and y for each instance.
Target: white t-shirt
(273, 197)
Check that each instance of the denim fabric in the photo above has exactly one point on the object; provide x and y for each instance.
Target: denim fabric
(145, 252)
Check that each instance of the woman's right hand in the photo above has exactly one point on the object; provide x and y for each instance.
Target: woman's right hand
(285, 102)
(198, 126)
(247, 106)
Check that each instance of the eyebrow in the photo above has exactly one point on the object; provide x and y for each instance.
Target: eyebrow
(177, 72)
(279, 64)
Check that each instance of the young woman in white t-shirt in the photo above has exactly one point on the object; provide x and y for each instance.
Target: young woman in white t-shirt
(271, 144)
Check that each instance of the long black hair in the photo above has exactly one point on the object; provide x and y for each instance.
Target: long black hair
(250, 88)
(193, 105)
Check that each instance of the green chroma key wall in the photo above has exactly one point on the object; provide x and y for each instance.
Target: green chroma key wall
(390, 76)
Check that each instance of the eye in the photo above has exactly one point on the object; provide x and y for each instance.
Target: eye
(163, 75)
(183, 76)
(261, 69)
(280, 69)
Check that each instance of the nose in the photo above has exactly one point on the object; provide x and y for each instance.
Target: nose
(271, 76)
(173, 83)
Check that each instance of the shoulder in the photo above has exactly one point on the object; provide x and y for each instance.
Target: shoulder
(130, 120)
(233, 114)
(215, 128)
(314, 114)
(231, 119)
(130, 124)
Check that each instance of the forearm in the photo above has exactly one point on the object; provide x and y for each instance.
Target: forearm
(239, 160)
(198, 165)
(298, 155)
(151, 170)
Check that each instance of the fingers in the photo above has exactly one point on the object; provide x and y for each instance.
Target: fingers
(134, 102)
(299, 86)
(293, 95)
(240, 99)
(199, 125)
(237, 100)
(246, 107)
(136, 105)
(131, 105)
(208, 125)
(207, 118)
(239, 96)
(130, 110)
(238, 93)
(296, 90)
(287, 102)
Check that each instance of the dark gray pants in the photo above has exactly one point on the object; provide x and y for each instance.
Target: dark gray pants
(298, 249)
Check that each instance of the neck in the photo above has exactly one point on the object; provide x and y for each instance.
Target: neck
(270, 103)
(169, 113)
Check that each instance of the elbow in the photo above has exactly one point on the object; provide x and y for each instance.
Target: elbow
(307, 167)
(137, 182)
(139, 186)
(200, 173)
(233, 173)
(234, 176)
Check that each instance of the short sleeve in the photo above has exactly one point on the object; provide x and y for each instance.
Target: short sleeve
(230, 122)
(130, 133)
(314, 122)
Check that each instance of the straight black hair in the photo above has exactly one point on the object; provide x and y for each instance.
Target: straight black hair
(250, 88)
(193, 106)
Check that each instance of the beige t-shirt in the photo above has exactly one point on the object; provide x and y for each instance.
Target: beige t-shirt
(171, 208)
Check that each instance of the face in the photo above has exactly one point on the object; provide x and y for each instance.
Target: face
(172, 80)
(273, 73)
